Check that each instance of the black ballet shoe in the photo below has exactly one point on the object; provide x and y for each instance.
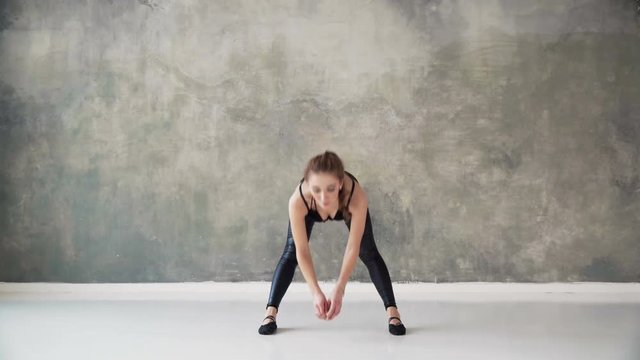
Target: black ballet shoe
(396, 329)
(268, 328)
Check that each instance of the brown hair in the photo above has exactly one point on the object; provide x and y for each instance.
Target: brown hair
(331, 163)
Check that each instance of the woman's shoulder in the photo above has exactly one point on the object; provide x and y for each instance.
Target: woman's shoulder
(358, 195)
(297, 200)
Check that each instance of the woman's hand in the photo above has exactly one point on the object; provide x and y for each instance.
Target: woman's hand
(335, 302)
(320, 305)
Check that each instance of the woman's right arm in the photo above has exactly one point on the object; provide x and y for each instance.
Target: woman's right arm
(303, 254)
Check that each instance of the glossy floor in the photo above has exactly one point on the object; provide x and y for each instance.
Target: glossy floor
(442, 323)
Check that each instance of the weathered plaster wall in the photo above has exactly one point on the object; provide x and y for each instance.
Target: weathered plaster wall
(160, 140)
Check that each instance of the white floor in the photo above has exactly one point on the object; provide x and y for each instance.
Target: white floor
(220, 320)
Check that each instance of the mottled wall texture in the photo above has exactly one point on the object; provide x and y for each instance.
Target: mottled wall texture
(159, 140)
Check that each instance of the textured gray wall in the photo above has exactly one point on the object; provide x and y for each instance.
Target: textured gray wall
(160, 140)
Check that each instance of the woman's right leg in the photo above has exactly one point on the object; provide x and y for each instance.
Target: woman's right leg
(285, 269)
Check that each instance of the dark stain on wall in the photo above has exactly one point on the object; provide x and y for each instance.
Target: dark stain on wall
(603, 268)
(9, 12)
(23, 216)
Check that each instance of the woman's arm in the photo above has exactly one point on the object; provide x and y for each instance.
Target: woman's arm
(358, 207)
(303, 254)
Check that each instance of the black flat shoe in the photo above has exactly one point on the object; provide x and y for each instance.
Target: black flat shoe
(396, 329)
(268, 328)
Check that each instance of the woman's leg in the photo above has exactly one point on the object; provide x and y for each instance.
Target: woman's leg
(285, 269)
(378, 271)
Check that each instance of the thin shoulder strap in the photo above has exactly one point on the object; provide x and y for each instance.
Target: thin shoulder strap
(302, 196)
(353, 186)
(351, 176)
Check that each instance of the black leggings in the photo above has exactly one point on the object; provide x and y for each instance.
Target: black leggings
(283, 275)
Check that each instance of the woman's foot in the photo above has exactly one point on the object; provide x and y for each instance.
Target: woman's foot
(393, 311)
(395, 324)
(269, 325)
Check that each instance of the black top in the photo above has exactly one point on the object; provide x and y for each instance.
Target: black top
(314, 212)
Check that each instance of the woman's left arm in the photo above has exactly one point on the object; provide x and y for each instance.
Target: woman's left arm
(358, 207)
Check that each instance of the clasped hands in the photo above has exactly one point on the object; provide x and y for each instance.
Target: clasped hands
(327, 309)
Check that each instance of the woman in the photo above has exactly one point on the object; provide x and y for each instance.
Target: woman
(325, 193)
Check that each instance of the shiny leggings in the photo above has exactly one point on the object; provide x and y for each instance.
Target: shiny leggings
(283, 274)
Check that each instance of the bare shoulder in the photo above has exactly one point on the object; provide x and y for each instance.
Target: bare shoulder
(297, 206)
(359, 199)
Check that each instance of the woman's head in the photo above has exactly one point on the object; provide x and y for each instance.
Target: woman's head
(325, 175)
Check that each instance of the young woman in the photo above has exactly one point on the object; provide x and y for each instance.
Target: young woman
(328, 192)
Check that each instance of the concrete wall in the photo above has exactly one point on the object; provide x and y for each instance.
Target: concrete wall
(159, 140)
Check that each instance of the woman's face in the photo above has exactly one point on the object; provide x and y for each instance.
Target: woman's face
(324, 188)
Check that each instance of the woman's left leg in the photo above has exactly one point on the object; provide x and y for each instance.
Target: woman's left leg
(374, 262)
